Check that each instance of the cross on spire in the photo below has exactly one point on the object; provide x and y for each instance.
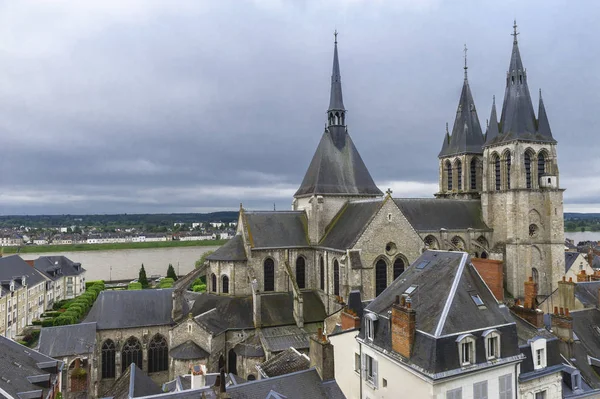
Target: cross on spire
(515, 33)
(335, 33)
(389, 192)
(466, 67)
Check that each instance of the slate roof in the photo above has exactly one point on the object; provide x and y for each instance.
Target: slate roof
(336, 101)
(445, 282)
(13, 267)
(466, 137)
(252, 347)
(74, 339)
(133, 383)
(570, 258)
(288, 361)
(273, 308)
(50, 264)
(277, 229)
(18, 363)
(128, 309)
(350, 222)
(517, 120)
(585, 324)
(232, 250)
(587, 293)
(188, 350)
(431, 214)
(277, 339)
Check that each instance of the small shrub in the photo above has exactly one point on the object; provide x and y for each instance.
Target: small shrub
(166, 283)
(36, 322)
(134, 286)
(51, 314)
(199, 288)
(22, 343)
(48, 323)
(89, 284)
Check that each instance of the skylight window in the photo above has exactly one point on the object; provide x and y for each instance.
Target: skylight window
(410, 289)
(477, 299)
(422, 265)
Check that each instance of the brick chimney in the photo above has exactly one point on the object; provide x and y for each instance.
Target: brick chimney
(404, 323)
(566, 293)
(491, 271)
(349, 319)
(562, 324)
(531, 292)
(321, 356)
(582, 276)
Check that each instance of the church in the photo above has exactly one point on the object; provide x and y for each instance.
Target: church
(499, 197)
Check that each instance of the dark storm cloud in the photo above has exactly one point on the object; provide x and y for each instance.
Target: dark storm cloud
(152, 106)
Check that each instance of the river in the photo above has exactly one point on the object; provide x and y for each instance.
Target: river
(578, 236)
(124, 264)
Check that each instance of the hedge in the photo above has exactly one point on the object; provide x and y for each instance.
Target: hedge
(134, 286)
(48, 323)
(36, 323)
(70, 311)
(166, 283)
(199, 288)
(94, 282)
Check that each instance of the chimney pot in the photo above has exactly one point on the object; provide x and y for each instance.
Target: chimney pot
(567, 312)
(320, 333)
(556, 310)
(530, 278)
(565, 278)
(570, 279)
(561, 311)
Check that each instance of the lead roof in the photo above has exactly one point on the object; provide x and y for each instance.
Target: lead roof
(347, 226)
(232, 250)
(276, 229)
(430, 214)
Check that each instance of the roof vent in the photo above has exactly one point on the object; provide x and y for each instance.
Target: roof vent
(17, 364)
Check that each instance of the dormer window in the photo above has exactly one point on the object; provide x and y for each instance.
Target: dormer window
(538, 352)
(492, 344)
(370, 319)
(466, 349)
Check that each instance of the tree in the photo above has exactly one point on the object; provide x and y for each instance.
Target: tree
(171, 272)
(142, 279)
(202, 259)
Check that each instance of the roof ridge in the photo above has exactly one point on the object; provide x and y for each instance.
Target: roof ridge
(450, 298)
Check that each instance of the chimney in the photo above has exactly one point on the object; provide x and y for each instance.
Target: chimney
(582, 276)
(349, 319)
(256, 307)
(566, 293)
(198, 376)
(321, 356)
(562, 324)
(531, 291)
(404, 323)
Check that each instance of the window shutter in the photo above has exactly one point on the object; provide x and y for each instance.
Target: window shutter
(375, 374)
(363, 366)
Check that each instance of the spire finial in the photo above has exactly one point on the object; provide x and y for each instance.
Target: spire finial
(466, 67)
(494, 100)
(515, 33)
(335, 33)
(540, 93)
(446, 127)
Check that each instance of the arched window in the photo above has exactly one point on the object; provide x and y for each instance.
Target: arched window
(449, 175)
(398, 267)
(108, 359)
(473, 169)
(251, 377)
(158, 354)
(528, 169)
(483, 242)
(301, 272)
(269, 275)
(213, 282)
(232, 362)
(225, 284)
(322, 273)
(380, 276)
(458, 242)
(535, 274)
(508, 163)
(541, 164)
(459, 174)
(498, 181)
(336, 278)
(431, 242)
(131, 353)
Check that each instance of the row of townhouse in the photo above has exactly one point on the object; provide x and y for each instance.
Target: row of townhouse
(11, 240)
(28, 288)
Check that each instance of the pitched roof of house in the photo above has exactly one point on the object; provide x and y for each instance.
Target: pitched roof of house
(232, 250)
(49, 264)
(570, 258)
(276, 229)
(351, 221)
(587, 293)
(128, 309)
(133, 383)
(74, 339)
(431, 214)
(252, 347)
(188, 350)
(277, 339)
(14, 267)
(288, 361)
(586, 326)
(24, 370)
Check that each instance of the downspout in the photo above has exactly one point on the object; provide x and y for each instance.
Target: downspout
(360, 371)
(516, 380)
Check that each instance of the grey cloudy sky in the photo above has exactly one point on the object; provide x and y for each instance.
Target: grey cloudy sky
(194, 106)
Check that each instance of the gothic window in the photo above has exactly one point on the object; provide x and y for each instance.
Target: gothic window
(497, 172)
(158, 354)
(225, 284)
(131, 353)
(269, 275)
(541, 164)
(301, 272)
(528, 169)
(108, 359)
(458, 243)
(380, 276)
(482, 241)
(322, 273)
(459, 174)
(473, 169)
(535, 275)
(336, 278)
(431, 242)
(508, 164)
(213, 282)
(449, 175)
(398, 267)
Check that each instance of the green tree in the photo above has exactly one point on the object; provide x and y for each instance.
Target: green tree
(171, 272)
(202, 259)
(142, 279)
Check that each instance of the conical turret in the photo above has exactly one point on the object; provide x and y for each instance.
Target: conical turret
(492, 130)
(543, 124)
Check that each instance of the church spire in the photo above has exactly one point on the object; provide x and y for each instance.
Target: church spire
(492, 130)
(543, 124)
(336, 114)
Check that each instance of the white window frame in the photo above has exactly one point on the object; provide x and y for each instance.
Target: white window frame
(370, 368)
(505, 388)
(543, 393)
(480, 390)
(489, 336)
(539, 353)
(370, 319)
(455, 393)
(357, 363)
(466, 341)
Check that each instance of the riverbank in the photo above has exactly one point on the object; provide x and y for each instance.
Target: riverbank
(107, 247)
